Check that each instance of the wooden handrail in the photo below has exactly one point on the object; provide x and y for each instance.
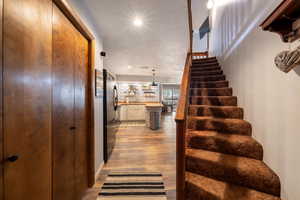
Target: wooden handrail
(190, 22)
(182, 102)
(181, 118)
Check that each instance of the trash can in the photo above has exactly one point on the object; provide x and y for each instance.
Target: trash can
(154, 120)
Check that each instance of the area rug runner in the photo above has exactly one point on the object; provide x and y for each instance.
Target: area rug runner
(133, 186)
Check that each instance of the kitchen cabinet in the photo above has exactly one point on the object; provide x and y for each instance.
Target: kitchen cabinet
(132, 112)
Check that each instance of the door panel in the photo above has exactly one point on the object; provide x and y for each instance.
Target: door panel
(70, 117)
(63, 107)
(27, 98)
(1, 106)
(81, 114)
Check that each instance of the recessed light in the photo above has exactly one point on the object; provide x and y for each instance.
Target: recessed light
(210, 4)
(138, 22)
(129, 67)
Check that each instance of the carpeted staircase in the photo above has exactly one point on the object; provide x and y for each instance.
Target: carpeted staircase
(223, 161)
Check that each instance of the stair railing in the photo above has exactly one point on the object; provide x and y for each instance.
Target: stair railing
(181, 127)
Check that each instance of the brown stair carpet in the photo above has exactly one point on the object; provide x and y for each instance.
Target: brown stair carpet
(212, 84)
(206, 68)
(223, 160)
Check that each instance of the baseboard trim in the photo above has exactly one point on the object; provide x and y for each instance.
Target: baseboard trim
(99, 171)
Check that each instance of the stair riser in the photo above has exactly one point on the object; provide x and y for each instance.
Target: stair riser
(248, 148)
(209, 78)
(205, 63)
(216, 84)
(195, 193)
(204, 59)
(209, 73)
(211, 92)
(205, 69)
(219, 112)
(232, 175)
(242, 128)
(231, 101)
(205, 66)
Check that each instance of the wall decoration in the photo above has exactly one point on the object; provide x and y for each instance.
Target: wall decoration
(287, 60)
(98, 83)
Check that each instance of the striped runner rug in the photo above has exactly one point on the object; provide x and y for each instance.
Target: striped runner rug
(133, 186)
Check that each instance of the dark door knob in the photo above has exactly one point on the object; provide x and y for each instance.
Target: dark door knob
(12, 158)
(72, 128)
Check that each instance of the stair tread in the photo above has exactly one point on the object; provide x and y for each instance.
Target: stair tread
(205, 69)
(227, 91)
(201, 187)
(238, 145)
(212, 97)
(207, 82)
(217, 119)
(212, 72)
(216, 111)
(218, 84)
(223, 88)
(212, 106)
(227, 125)
(213, 100)
(243, 171)
(206, 63)
(208, 76)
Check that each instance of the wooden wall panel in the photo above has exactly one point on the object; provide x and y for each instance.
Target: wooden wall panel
(27, 58)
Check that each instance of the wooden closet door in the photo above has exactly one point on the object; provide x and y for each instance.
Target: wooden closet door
(27, 56)
(81, 115)
(64, 60)
(70, 105)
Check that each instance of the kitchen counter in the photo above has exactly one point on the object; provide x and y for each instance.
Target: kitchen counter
(139, 111)
(147, 104)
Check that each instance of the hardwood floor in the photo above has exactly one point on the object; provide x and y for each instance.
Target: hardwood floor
(141, 149)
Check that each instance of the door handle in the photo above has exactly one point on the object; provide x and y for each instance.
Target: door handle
(12, 159)
(72, 128)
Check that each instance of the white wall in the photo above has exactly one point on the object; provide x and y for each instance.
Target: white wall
(199, 13)
(199, 45)
(98, 102)
(232, 20)
(271, 98)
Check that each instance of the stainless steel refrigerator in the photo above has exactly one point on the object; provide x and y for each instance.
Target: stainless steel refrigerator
(110, 107)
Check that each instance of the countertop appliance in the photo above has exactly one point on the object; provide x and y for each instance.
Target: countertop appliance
(110, 106)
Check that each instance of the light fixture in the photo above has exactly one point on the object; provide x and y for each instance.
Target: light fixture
(210, 4)
(138, 22)
(153, 80)
(129, 67)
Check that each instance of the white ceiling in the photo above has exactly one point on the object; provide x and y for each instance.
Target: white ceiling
(161, 42)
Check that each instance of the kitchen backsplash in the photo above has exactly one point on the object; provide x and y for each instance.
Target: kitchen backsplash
(138, 92)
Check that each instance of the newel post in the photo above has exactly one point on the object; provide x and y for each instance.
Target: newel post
(180, 159)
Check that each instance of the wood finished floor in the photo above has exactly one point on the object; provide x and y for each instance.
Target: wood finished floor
(141, 149)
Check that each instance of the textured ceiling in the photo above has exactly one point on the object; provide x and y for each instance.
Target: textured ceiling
(161, 42)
